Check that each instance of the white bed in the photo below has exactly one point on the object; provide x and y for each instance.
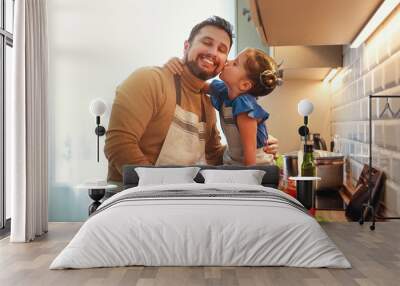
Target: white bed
(264, 228)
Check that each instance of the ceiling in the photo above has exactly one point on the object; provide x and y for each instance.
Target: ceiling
(311, 22)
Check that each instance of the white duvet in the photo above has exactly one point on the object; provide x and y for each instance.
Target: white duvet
(183, 231)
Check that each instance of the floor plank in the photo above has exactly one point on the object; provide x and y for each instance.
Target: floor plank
(374, 255)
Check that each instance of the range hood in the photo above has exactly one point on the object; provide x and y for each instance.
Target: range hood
(308, 62)
(307, 35)
(310, 22)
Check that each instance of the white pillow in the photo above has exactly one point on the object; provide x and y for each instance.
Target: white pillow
(248, 177)
(163, 176)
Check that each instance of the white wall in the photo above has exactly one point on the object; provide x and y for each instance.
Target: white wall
(93, 46)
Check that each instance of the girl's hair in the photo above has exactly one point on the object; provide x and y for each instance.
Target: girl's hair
(263, 71)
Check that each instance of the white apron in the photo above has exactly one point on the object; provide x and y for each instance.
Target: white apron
(233, 154)
(185, 141)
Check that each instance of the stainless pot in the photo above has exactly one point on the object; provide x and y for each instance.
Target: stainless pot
(329, 166)
(290, 168)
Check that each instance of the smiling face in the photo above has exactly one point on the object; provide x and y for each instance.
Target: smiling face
(235, 76)
(207, 54)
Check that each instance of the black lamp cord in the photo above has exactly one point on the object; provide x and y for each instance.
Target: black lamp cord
(305, 129)
(98, 136)
(100, 131)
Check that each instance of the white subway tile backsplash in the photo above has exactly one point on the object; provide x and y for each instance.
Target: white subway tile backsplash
(357, 150)
(361, 111)
(392, 135)
(372, 68)
(395, 171)
(349, 92)
(353, 114)
(352, 148)
(382, 47)
(395, 106)
(393, 34)
(395, 43)
(375, 159)
(384, 160)
(360, 87)
(353, 91)
(364, 108)
(378, 134)
(371, 56)
(334, 101)
(361, 132)
(397, 60)
(346, 134)
(392, 197)
(390, 71)
(364, 60)
(335, 115)
(356, 169)
(336, 84)
(359, 72)
(375, 108)
(341, 97)
(352, 56)
(368, 83)
(367, 133)
(365, 153)
(378, 79)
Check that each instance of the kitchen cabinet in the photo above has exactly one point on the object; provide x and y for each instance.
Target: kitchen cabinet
(299, 61)
(246, 34)
(311, 22)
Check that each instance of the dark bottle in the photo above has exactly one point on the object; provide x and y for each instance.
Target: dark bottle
(308, 165)
(305, 192)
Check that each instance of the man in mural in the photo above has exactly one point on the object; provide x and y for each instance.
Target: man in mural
(158, 118)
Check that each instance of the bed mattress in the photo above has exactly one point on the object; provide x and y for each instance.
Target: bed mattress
(201, 225)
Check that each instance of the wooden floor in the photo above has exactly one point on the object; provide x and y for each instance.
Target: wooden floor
(330, 216)
(374, 255)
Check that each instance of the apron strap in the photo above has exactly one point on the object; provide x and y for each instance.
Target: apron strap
(203, 110)
(178, 88)
(178, 92)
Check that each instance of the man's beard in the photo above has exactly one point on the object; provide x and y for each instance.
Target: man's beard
(197, 71)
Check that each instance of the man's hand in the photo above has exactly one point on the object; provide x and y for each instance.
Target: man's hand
(272, 146)
(175, 66)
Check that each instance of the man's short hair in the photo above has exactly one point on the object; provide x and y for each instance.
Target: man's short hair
(213, 21)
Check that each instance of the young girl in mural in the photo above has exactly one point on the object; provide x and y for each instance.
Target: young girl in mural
(250, 75)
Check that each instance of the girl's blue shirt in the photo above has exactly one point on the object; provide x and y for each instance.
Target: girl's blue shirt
(244, 103)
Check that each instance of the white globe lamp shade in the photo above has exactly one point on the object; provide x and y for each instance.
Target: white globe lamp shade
(305, 107)
(97, 107)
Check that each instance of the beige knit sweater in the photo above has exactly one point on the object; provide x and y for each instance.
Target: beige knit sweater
(142, 112)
